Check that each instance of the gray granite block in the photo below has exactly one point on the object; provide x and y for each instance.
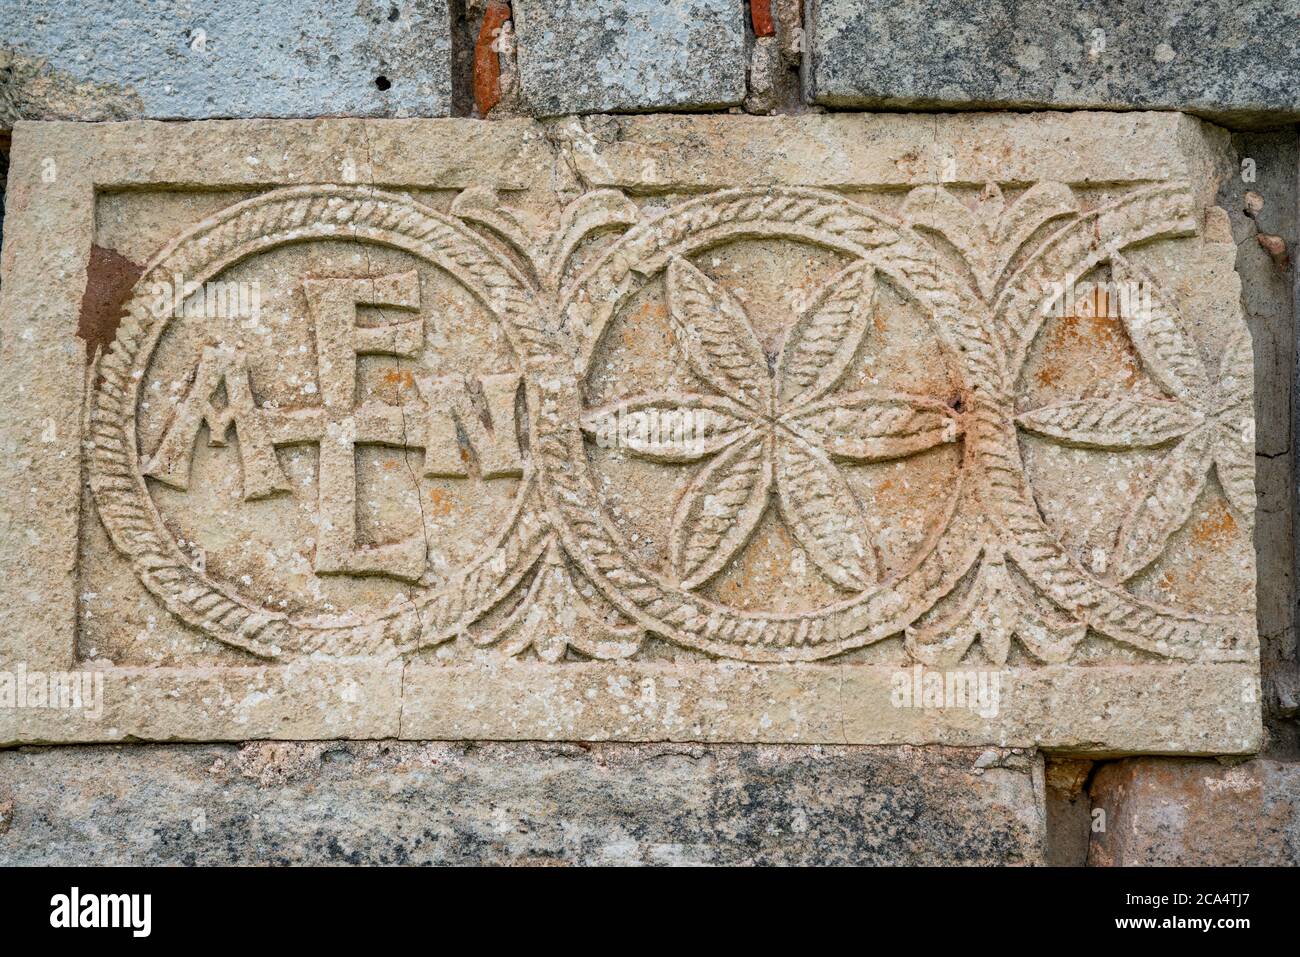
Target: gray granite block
(197, 59)
(465, 803)
(629, 55)
(1233, 60)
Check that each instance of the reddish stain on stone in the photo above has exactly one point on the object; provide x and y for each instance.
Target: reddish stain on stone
(1275, 246)
(760, 12)
(110, 277)
(487, 69)
(439, 502)
(1216, 528)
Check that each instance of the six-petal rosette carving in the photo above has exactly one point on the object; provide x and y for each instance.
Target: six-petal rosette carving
(1207, 422)
(775, 435)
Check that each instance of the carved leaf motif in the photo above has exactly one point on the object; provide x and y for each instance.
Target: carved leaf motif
(820, 346)
(934, 209)
(990, 236)
(1234, 443)
(1165, 504)
(1237, 371)
(593, 212)
(482, 205)
(715, 334)
(553, 617)
(869, 427)
(994, 609)
(1040, 204)
(668, 427)
(823, 513)
(721, 509)
(1234, 461)
(1119, 422)
(1049, 637)
(985, 611)
(1167, 351)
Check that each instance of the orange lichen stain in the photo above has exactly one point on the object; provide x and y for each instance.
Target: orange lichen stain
(1096, 325)
(390, 465)
(440, 503)
(878, 321)
(402, 378)
(759, 578)
(1216, 529)
(1049, 375)
(650, 312)
(910, 163)
(894, 497)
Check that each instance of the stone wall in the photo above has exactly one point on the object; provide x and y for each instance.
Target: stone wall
(1231, 63)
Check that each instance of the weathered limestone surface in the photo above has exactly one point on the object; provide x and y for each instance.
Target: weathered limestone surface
(400, 803)
(195, 59)
(1233, 60)
(892, 429)
(628, 55)
(1187, 812)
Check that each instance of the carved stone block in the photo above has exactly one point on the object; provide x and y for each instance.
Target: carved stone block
(869, 429)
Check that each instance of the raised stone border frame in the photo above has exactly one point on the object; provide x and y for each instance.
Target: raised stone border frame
(47, 248)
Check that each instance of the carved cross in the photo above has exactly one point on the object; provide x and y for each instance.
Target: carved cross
(447, 424)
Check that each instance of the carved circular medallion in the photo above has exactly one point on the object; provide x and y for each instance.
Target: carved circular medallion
(334, 519)
(772, 422)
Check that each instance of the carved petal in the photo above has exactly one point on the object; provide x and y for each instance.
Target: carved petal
(994, 608)
(1167, 350)
(668, 427)
(553, 617)
(1165, 503)
(721, 509)
(934, 209)
(820, 346)
(1119, 422)
(1237, 370)
(716, 336)
(987, 611)
(1040, 204)
(600, 210)
(482, 205)
(823, 513)
(1234, 461)
(1051, 638)
(874, 426)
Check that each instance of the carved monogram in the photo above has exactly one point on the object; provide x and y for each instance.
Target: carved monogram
(337, 427)
(561, 578)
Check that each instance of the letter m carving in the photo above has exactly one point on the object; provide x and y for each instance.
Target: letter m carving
(219, 368)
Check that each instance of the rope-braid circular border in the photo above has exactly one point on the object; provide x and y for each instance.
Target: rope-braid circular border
(292, 215)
